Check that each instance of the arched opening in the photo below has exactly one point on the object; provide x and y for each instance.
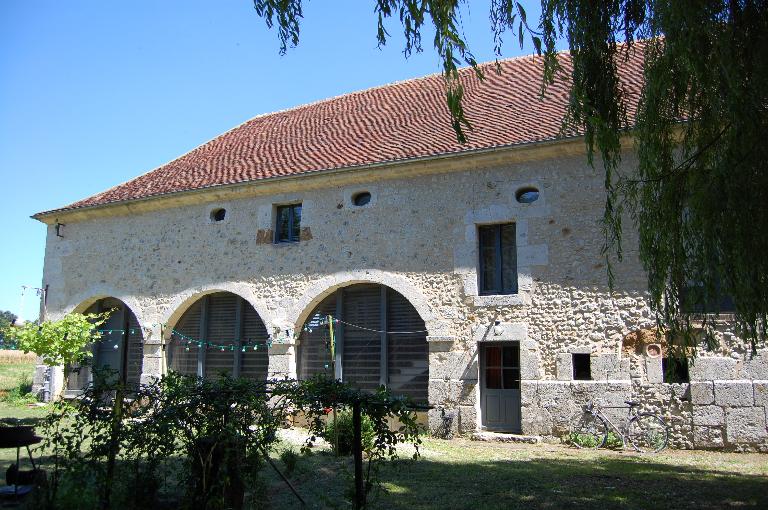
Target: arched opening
(221, 333)
(380, 340)
(121, 347)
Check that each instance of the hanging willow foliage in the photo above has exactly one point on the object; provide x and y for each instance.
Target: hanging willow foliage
(699, 195)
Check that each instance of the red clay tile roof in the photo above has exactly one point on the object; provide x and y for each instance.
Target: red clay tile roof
(396, 122)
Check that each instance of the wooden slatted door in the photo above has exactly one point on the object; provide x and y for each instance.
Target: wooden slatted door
(223, 315)
(254, 362)
(361, 348)
(314, 352)
(407, 350)
(182, 357)
(134, 353)
(380, 341)
(500, 386)
(231, 324)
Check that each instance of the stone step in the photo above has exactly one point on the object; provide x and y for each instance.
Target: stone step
(505, 438)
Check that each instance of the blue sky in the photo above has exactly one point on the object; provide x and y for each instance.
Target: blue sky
(94, 93)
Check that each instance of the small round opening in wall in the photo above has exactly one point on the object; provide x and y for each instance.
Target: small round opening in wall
(218, 214)
(527, 195)
(361, 198)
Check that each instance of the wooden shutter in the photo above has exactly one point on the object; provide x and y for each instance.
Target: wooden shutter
(254, 363)
(110, 350)
(314, 352)
(134, 351)
(222, 330)
(407, 355)
(179, 358)
(361, 348)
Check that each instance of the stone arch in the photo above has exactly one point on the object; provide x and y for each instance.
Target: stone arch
(217, 329)
(183, 300)
(324, 287)
(121, 347)
(85, 299)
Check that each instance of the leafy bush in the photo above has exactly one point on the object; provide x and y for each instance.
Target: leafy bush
(196, 443)
(613, 441)
(289, 458)
(340, 433)
(584, 440)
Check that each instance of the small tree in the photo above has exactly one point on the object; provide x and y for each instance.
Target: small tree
(61, 342)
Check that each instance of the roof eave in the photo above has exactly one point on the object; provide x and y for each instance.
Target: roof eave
(50, 216)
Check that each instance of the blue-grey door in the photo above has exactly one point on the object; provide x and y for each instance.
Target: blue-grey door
(500, 386)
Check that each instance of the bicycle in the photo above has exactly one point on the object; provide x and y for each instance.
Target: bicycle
(647, 432)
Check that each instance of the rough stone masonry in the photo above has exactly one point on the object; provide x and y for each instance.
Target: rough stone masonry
(419, 236)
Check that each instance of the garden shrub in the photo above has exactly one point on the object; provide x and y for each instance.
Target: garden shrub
(340, 433)
(185, 442)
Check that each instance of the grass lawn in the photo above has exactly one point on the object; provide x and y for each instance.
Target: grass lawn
(462, 474)
(16, 370)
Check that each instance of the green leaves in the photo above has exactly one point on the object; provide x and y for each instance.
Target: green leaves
(61, 342)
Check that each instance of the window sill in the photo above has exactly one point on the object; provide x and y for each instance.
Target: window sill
(499, 300)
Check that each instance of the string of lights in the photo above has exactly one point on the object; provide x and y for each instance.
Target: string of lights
(228, 345)
(115, 331)
(310, 325)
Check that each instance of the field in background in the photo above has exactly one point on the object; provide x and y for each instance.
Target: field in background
(16, 372)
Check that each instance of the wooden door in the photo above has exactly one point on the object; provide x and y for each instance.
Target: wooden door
(500, 386)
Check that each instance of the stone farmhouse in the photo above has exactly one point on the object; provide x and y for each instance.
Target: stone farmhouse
(466, 276)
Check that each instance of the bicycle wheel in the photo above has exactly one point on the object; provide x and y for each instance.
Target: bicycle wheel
(648, 433)
(587, 430)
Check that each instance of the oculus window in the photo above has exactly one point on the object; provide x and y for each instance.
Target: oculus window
(361, 199)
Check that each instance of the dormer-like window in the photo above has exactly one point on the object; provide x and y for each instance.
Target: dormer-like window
(288, 225)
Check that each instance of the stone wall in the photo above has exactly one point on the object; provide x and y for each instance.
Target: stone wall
(417, 235)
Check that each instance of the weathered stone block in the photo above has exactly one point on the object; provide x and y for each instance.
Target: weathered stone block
(653, 370)
(280, 366)
(451, 392)
(602, 365)
(702, 393)
(442, 421)
(467, 419)
(528, 392)
(529, 365)
(711, 416)
(710, 369)
(757, 367)
(745, 425)
(536, 421)
(734, 393)
(564, 366)
(453, 365)
(707, 437)
(553, 393)
(761, 393)
(152, 366)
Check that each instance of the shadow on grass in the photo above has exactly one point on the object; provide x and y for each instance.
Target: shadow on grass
(601, 483)
(604, 482)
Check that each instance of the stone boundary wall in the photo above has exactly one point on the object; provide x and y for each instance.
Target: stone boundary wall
(725, 406)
